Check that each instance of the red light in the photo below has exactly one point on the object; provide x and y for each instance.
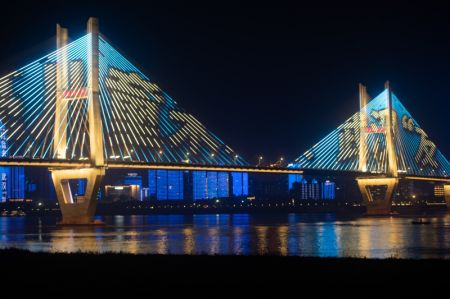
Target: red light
(374, 130)
(75, 94)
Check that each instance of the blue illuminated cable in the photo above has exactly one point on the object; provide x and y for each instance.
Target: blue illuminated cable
(135, 149)
(68, 117)
(59, 128)
(78, 84)
(29, 101)
(163, 153)
(208, 156)
(30, 124)
(104, 99)
(80, 104)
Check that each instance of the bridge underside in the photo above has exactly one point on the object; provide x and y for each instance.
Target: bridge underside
(377, 194)
(79, 209)
(447, 194)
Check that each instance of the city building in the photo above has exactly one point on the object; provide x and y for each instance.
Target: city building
(122, 193)
(12, 183)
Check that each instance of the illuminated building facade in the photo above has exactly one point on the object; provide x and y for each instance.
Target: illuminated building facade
(439, 190)
(12, 177)
(328, 190)
(122, 193)
(200, 185)
(240, 183)
(166, 184)
(12, 183)
(413, 192)
(306, 188)
(195, 185)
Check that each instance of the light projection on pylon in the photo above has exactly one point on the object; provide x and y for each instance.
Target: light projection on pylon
(140, 122)
(416, 154)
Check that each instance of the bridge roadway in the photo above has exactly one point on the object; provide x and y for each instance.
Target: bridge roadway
(184, 166)
(81, 209)
(142, 165)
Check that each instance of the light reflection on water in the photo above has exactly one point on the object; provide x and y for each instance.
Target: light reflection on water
(280, 234)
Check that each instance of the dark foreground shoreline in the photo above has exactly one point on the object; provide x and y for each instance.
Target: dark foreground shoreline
(131, 273)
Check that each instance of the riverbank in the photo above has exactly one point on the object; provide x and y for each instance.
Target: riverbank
(111, 209)
(148, 272)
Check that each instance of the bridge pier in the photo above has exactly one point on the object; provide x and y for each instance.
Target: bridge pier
(80, 209)
(377, 194)
(447, 195)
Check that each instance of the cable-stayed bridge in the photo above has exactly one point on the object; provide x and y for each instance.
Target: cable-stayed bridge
(45, 114)
(382, 143)
(85, 108)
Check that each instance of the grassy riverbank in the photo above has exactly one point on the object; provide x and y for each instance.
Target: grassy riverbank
(145, 272)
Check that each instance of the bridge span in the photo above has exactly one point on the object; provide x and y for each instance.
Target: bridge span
(85, 108)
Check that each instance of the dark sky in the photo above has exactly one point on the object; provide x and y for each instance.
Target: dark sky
(267, 79)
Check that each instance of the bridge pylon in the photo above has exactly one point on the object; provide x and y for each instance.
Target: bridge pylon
(447, 195)
(79, 209)
(377, 192)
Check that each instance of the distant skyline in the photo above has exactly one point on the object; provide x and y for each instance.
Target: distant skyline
(268, 81)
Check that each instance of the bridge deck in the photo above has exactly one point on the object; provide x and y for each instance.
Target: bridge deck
(172, 166)
(138, 165)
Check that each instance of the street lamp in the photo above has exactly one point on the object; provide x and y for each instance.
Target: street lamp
(259, 160)
(160, 152)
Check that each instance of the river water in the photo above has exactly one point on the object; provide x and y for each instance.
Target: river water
(324, 235)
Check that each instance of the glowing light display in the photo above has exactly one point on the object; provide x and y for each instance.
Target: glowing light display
(27, 105)
(328, 190)
(200, 186)
(223, 184)
(165, 184)
(81, 186)
(294, 178)
(141, 123)
(416, 154)
(240, 183)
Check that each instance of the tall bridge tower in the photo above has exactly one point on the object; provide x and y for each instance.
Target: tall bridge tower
(377, 191)
(79, 209)
(383, 146)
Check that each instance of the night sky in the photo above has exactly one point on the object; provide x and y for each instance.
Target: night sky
(270, 80)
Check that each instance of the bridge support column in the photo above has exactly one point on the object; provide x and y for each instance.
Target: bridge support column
(61, 107)
(447, 195)
(80, 209)
(377, 194)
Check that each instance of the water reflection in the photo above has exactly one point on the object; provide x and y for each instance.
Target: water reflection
(282, 234)
(189, 241)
